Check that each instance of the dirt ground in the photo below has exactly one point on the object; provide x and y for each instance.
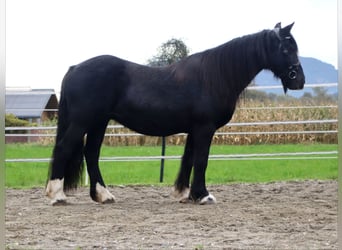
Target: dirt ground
(301, 215)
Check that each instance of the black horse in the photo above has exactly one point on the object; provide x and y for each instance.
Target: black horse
(196, 95)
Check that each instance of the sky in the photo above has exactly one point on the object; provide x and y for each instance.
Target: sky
(45, 37)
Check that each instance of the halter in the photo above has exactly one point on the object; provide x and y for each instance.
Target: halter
(293, 69)
(292, 74)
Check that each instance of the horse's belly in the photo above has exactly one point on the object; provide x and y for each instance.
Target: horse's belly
(155, 125)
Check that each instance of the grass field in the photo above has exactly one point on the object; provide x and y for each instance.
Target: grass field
(29, 174)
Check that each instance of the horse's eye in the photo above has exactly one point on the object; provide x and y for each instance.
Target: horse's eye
(285, 51)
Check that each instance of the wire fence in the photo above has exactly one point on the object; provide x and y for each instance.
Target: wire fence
(237, 124)
(261, 156)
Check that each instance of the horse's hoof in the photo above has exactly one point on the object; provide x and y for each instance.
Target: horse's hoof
(54, 190)
(109, 201)
(182, 197)
(103, 195)
(59, 203)
(209, 199)
(186, 200)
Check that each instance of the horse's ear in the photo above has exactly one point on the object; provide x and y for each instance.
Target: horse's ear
(277, 29)
(278, 26)
(287, 29)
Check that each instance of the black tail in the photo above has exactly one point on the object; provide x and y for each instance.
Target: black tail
(73, 169)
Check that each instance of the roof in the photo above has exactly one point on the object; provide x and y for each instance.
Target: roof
(30, 103)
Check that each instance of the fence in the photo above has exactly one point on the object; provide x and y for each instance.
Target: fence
(238, 124)
(328, 126)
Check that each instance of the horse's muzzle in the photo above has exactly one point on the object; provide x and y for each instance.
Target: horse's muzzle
(295, 79)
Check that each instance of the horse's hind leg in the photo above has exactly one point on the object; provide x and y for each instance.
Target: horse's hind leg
(65, 153)
(98, 190)
(182, 188)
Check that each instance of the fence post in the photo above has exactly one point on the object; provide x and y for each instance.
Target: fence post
(162, 160)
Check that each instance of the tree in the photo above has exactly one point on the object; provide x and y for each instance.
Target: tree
(321, 94)
(169, 52)
(307, 95)
(13, 121)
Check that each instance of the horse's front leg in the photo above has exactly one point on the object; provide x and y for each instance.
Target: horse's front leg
(98, 190)
(202, 141)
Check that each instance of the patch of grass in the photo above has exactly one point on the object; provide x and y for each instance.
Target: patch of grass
(29, 174)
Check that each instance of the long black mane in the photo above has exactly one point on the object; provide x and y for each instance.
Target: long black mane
(235, 63)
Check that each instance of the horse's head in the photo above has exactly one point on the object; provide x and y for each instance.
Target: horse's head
(284, 60)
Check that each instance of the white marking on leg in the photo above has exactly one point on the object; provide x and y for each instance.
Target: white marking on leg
(103, 195)
(182, 197)
(54, 190)
(209, 199)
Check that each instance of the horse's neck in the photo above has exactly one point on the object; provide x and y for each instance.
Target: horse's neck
(248, 58)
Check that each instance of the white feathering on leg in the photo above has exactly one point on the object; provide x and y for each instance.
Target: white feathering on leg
(54, 190)
(209, 199)
(182, 197)
(103, 195)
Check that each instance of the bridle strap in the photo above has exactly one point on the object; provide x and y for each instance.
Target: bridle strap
(293, 69)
